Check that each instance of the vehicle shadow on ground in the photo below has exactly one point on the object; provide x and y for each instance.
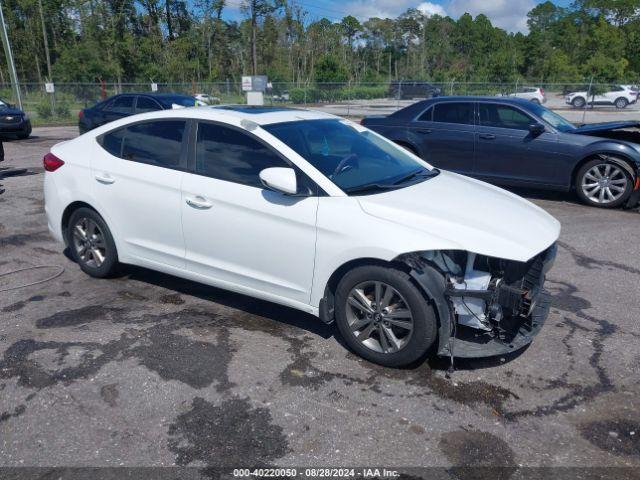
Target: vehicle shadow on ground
(238, 301)
(289, 316)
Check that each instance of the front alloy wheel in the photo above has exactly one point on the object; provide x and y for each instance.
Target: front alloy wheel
(383, 315)
(603, 184)
(379, 317)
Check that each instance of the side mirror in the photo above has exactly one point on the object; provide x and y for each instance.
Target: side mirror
(280, 179)
(536, 129)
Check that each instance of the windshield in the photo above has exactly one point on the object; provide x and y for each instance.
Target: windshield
(556, 121)
(354, 158)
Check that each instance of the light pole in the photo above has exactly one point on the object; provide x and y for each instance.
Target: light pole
(9, 55)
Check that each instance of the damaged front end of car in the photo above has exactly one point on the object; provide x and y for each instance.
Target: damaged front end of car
(486, 306)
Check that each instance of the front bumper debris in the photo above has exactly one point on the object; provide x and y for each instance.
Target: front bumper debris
(480, 320)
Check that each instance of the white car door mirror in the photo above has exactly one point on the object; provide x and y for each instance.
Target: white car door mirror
(280, 179)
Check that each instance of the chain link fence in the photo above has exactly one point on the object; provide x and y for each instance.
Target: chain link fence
(345, 98)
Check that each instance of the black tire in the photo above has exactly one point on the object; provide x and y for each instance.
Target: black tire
(578, 102)
(621, 103)
(83, 217)
(591, 199)
(423, 333)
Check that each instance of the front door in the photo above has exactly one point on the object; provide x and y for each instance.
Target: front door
(506, 151)
(238, 233)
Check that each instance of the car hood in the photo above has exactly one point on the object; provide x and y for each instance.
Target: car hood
(605, 127)
(469, 214)
(11, 111)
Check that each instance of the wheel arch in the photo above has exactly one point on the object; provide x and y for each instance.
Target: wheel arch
(425, 279)
(66, 215)
(622, 160)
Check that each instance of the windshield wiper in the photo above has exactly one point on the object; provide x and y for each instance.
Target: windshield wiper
(416, 173)
(370, 187)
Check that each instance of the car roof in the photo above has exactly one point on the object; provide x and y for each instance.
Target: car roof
(419, 107)
(234, 114)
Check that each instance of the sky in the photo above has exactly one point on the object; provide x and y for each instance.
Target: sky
(510, 15)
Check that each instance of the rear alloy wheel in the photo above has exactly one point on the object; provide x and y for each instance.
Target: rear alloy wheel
(621, 103)
(383, 316)
(603, 184)
(578, 102)
(91, 243)
(535, 100)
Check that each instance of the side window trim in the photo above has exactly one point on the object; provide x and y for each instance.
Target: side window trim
(317, 191)
(182, 165)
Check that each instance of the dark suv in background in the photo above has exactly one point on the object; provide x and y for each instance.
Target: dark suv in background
(127, 104)
(408, 89)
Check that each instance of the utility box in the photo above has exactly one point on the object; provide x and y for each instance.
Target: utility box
(255, 87)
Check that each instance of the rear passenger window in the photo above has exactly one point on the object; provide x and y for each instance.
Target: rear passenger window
(112, 142)
(228, 154)
(452, 112)
(157, 142)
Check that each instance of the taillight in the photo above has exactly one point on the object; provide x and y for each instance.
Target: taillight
(542, 91)
(51, 162)
(362, 121)
(80, 114)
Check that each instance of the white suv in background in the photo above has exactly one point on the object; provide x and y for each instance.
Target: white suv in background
(618, 95)
(534, 94)
(311, 211)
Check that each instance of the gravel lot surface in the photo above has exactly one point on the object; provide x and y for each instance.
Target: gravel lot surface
(151, 370)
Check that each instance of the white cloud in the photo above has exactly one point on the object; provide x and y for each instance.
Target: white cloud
(429, 9)
(389, 8)
(508, 14)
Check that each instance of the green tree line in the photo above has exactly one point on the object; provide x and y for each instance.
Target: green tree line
(180, 41)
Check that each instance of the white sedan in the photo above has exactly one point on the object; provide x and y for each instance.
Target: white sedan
(618, 95)
(311, 211)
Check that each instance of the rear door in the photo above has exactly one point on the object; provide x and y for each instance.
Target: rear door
(238, 233)
(446, 131)
(506, 151)
(136, 179)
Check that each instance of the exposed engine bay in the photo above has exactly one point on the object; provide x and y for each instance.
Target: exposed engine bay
(493, 305)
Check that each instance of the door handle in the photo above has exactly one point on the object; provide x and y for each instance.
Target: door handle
(105, 178)
(424, 130)
(487, 136)
(198, 202)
